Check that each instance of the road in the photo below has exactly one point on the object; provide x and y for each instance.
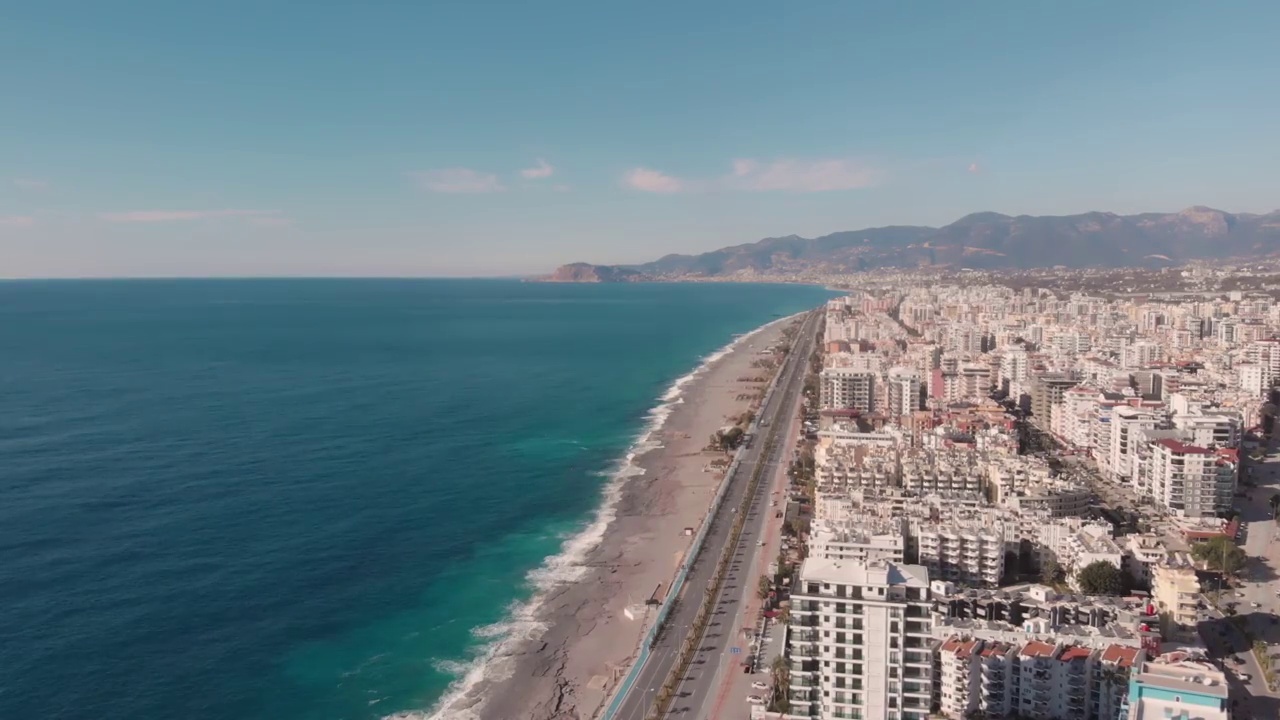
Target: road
(697, 684)
(1257, 584)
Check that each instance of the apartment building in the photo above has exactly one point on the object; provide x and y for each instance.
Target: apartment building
(1032, 679)
(1127, 423)
(860, 638)
(1175, 589)
(905, 390)
(1047, 390)
(868, 541)
(966, 553)
(1181, 690)
(851, 388)
(1191, 481)
(1053, 681)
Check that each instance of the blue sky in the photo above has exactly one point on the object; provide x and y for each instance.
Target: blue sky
(457, 138)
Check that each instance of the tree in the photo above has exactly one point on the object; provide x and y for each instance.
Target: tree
(1101, 578)
(1050, 570)
(1220, 553)
(1275, 503)
(765, 587)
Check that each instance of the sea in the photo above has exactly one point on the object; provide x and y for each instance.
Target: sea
(314, 499)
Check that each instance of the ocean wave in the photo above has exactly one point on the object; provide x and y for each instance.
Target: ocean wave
(493, 659)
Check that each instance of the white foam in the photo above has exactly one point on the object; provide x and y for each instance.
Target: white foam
(493, 661)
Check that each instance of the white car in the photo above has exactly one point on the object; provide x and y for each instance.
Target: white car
(755, 699)
(1255, 605)
(757, 685)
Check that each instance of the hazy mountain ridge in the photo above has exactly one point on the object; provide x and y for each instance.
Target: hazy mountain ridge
(986, 240)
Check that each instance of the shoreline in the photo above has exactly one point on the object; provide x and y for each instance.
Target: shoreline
(561, 652)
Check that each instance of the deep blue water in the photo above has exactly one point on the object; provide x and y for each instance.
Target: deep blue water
(296, 499)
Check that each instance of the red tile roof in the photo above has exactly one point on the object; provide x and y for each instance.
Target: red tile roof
(1183, 448)
(1074, 653)
(1120, 655)
(1037, 649)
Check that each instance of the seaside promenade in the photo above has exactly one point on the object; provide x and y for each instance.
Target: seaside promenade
(697, 683)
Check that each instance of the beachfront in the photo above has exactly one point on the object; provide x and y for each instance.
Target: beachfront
(593, 627)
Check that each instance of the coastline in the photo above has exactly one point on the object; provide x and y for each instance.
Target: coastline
(560, 653)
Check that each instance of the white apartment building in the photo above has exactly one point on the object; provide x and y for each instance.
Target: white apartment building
(904, 391)
(1191, 481)
(965, 553)
(872, 540)
(1126, 424)
(959, 680)
(1253, 378)
(1053, 681)
(1089, 546)
(860, 639)
(1065, 681)
(847, 388)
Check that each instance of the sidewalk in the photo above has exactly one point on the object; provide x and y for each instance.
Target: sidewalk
(732, 685)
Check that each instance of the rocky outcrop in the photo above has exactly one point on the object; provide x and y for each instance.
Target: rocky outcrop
(588, 273)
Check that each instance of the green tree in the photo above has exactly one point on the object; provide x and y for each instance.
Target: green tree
(764, 587)
(1101, 578)
(1221, 554)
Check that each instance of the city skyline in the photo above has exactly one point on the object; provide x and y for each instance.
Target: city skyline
(249, 140)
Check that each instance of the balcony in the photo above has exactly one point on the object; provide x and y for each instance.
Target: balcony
(919, 658)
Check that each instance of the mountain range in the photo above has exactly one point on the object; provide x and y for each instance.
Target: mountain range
(985, 240)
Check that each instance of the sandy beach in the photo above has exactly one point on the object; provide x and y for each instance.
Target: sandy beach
(585, 642)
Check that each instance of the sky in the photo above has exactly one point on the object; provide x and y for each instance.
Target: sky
(484, 138)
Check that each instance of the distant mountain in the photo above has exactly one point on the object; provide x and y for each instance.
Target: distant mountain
(985, 240)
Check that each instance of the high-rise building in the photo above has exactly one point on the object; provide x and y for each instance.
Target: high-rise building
(860, 638)
(1046, 391)
(905, 392)
(1191, 481)
(847, 388)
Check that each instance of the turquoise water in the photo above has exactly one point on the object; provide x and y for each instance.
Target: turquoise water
(307, 499)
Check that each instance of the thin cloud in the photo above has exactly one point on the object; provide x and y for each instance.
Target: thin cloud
(159, 216)
(652, 181)
(974, 168)
(542, 170)
(750, 175)
(801, 176)
(273, 221)
(31, 184)
(17, 221)
(457, 180)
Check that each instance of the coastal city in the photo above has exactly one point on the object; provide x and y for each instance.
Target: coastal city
(1010, 501)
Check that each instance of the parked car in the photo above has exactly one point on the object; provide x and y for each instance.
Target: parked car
(757, 685)
(755, 699)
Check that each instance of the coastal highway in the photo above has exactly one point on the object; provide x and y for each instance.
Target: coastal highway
(698, 682)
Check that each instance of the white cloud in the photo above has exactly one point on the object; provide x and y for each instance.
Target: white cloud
(541, 170)
(802, 176)
(457, 180)
(750, 175)
(974, 168)
(155, 216)
(31, 184)
(646, 180)
(17, 221)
